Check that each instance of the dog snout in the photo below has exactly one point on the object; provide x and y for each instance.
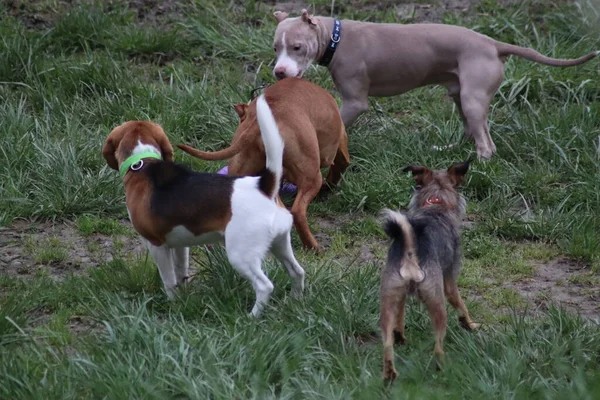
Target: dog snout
(280, 72)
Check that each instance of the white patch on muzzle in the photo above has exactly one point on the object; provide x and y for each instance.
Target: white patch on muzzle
(285, 63)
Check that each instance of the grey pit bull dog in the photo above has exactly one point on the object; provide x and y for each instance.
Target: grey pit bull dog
(388, 59)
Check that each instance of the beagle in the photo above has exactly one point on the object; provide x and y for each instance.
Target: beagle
(173, 207)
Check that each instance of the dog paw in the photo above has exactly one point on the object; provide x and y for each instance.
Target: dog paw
(439, 361)
(171, 292)
(468, 325)
(399, 338)
(389, 373)
(474, 325)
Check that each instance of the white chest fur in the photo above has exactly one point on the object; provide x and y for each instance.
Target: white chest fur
(180, 236)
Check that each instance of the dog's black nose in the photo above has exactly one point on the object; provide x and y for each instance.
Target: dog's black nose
(280, 74)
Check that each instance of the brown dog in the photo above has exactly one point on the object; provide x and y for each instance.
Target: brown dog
(311, 127)
(424, 258)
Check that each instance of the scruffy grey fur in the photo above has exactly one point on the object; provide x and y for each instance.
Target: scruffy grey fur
(424, 258)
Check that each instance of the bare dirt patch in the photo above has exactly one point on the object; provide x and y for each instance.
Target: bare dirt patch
(562, 282)
(22, 243)
(559, 281)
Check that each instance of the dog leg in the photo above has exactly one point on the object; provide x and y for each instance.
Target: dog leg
(355, 95)
(431, 292)
(477, 88)
(399, 335)
(475, 109)
(181, 259)
(282, 250)
(247, 261)
(453, 295)
(308, 188)
(340, 162)
(164, 260)
(437, 313)
(393, 293)
(351, 110)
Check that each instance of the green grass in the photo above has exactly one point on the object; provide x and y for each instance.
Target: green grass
(89, 224)
(110, 333)
(46, 251)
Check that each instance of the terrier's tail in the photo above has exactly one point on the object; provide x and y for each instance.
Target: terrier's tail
(397, 227)
(270, 178)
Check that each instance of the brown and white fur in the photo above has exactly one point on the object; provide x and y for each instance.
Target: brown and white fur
(374, 59)
(173, 208)
(424, 258)
(311, 127)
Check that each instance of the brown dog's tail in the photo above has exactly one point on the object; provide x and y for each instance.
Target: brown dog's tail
(224, 154)
(397, 227)
(505, 49)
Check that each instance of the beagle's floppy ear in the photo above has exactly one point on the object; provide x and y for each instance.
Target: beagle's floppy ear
(306, 17)
(110, 147)
(166, 150)
(280, 15)
(421, 175)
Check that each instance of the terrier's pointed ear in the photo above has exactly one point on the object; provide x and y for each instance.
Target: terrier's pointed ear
(421, 175)
(306, 17)
(280, 15)
(458, 171)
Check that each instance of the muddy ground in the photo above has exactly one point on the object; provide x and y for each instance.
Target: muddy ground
(559, 281)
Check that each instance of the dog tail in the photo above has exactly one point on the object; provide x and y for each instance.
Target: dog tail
(505, 49)
(269, 132)
(224, 154)
(397, 227)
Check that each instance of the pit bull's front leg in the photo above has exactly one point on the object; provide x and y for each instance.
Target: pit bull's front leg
(355, 94)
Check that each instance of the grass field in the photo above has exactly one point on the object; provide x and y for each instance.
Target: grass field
(82, 313)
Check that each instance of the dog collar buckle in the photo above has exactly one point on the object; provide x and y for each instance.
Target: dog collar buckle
(137, 166)
(136, 162)
(336, 36)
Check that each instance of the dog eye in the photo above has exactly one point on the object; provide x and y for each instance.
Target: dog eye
(415, 188)
(275, 49)
(297, 47)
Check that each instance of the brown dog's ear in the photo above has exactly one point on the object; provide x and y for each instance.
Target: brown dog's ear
(280, 15)
(421, 175)
(458, 171)
(240, 109)
(306, 17)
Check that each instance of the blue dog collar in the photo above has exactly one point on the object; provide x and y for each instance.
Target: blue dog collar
(336, 35)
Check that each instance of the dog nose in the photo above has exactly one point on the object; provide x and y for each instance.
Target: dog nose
(280, 72)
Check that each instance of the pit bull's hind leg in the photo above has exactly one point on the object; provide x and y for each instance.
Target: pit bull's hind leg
(477, 88)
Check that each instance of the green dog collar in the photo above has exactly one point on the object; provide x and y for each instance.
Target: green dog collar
(135, 161)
